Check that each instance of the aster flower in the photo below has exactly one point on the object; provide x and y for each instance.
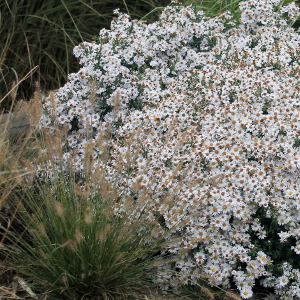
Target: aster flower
(208, 109)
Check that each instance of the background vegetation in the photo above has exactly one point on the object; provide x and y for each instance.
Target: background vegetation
(38, 37)
(44, 33)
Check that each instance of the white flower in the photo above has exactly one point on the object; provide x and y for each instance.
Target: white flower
(283, 236)
(246, 293)
(296, 248)
(282, 281)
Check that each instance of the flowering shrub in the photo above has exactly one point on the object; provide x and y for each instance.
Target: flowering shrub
(210, 107)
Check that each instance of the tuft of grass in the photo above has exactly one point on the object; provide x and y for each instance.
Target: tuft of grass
(74, 246)
(73, 243)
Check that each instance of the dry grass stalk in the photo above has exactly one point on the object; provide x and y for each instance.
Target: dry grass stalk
(42, 229)
(102, 235)
(207, 292)
(229, 295)
(59, 208)
(78, 235)
(88, 218)
(161, 262)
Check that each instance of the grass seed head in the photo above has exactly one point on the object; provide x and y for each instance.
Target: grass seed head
(59, 208)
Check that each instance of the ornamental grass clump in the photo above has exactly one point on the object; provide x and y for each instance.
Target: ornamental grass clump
(74, 243)
(210, 107)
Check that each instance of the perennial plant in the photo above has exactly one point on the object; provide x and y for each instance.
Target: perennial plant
(64, 240)
(212, 104)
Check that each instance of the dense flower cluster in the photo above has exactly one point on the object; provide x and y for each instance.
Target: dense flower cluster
(209, 108)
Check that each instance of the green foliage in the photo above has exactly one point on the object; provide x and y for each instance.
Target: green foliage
(280, 253)
(296, 143)
(74, 246)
